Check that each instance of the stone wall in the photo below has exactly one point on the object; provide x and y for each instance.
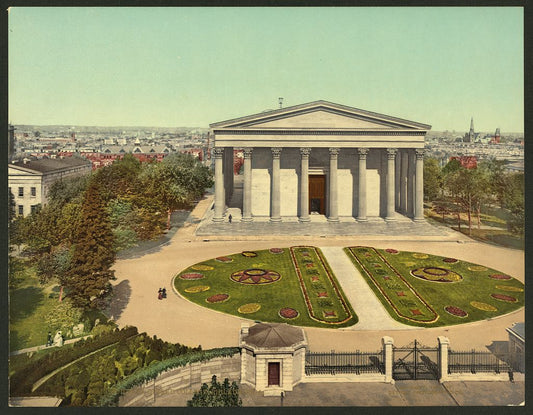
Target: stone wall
(187, 377)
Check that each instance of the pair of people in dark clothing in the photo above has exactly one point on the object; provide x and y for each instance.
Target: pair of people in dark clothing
(162, 293)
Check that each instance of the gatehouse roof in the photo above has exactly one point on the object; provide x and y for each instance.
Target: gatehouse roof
(274, 335)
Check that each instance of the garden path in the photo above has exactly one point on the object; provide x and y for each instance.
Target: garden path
(371, 313)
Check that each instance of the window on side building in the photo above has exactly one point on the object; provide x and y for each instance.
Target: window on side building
(21, 209)
(34, 191)
(21, 192)
(33, 208)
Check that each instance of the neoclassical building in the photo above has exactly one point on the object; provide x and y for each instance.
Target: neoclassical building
(321, 158)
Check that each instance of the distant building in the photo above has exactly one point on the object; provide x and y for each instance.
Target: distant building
(30, 180)
(517, 345)
(11, 142)
(468, 162)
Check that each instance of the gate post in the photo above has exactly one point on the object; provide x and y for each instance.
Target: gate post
(444, 347)
(388, 343)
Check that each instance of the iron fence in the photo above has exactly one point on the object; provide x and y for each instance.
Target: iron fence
(475, 361)
(334, 363)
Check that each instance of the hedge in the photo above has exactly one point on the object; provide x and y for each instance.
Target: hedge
(22, 381)
(151, 372)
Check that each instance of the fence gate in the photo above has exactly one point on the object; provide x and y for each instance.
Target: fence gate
(415, 361)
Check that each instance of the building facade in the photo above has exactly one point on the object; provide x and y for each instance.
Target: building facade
(321, 158)
(30, 180)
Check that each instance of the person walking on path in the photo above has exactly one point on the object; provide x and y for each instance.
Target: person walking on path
(160, 294)
(230, 218)
(164, 292)
(49, 339)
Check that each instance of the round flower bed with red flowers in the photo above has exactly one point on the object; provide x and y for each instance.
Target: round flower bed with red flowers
(500, 277)
(503, 297)
(436, 274)
(450, 260)
(224, 259)
(217, 298)
(391, 251)
(288, 312)
(276, 250)
(249, 254)
(192, 276)
(455, 311)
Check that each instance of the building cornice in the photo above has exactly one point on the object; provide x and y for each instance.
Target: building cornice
(333, 132)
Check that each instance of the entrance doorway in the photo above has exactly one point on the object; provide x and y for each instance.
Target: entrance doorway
(317, 194)
(273, 373)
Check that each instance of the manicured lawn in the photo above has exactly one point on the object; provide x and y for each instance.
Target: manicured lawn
(428, 290)
(295, 282)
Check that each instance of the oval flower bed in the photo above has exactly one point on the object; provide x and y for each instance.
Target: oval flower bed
(391, 251)
(455, 311)
(288, 312)
(450, 260)
(202, 267)
(192, 276)
(477, 268)
(249, 254)
(197, 289)
(483, 306)
(217, 298)
(500, 277)
(503, 297)
(276, 250)
(224, 259)
(509, 288)
(249, 308)
(436, 274)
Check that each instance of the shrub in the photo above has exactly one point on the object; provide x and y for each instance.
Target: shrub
(218, 394)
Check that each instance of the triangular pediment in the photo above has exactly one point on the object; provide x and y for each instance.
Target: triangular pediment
(320, 115)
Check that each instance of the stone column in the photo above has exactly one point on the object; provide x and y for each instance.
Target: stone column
(411, 184)
(219, 185)
(304, 185)
(397, 177)
(275, 195)
(361, 212)
(390, 181)
(444, 347)
(388, 356)
(247, 189)
(419, 190)
(333, 196)
(403, 182)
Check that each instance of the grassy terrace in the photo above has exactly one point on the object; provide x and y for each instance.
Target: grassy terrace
(428, 290)
(289, 285)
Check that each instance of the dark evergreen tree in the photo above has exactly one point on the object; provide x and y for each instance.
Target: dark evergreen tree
(94, 254)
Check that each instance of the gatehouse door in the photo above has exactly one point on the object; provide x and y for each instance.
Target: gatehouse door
(273, 373)
(317, 194)
(416, 361)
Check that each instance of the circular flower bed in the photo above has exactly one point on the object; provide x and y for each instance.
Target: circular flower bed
(217, 298)
(391, 251)
(276, 250)
(483, 306)
(477, 268)
(224, 259)
(503, 297)
(197, 289)
(249, 308)
(409, 263)
(500, 277)
(255, 276)
(288, 312)
(192, 276)
(455, 311)
(436, 274)
(202, 267)
(249, 254)
(450, 260)
(420, 256)
(509, 288)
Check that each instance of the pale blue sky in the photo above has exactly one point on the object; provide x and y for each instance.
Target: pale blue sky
(194, 66)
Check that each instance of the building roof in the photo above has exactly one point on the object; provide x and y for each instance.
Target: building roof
(50, 165)
(519, 330)
(274, 335)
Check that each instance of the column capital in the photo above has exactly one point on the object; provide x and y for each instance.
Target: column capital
(391, 153)
(419, 152)
(362, 152)
(247, 152)
(276, 152)
(219, 152)
(305, 151)
(333, 151)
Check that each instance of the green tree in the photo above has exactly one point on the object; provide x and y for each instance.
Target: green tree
(68, 190)
(514, 202)
(120, 179)
(432, 179)
(94, 252)
(216, 395)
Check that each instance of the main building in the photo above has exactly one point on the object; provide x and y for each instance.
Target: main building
(321, 158)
